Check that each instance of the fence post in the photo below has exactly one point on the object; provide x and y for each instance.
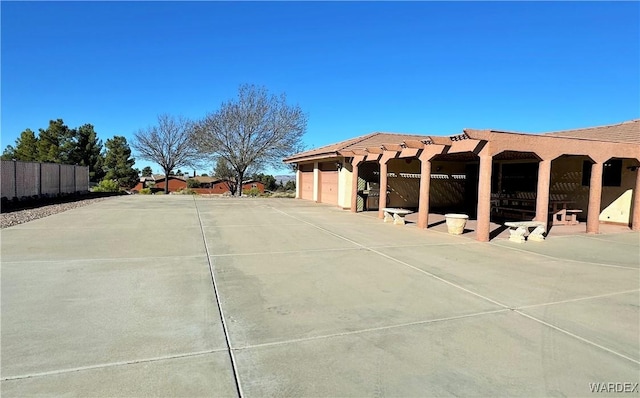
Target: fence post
(75, 188)
(15, 179)
(39, 179)
(59, 179)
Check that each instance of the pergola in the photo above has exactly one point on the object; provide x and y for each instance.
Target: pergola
(486, 145)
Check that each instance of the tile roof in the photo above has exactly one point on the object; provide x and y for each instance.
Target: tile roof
(205, 179)
(622, 132)
(365, 141)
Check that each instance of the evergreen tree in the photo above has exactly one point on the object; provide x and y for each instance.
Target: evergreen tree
(268, 180)
(9, 153)
(118, 162)
(26, 146)
(55, 144)
(147, 172)
(87, 151)
(290, 185)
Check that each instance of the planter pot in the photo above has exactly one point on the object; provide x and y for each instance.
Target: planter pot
(456, 223)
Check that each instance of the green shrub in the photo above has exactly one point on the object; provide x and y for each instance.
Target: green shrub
(145, 191)
(251, 192)
(107, 186)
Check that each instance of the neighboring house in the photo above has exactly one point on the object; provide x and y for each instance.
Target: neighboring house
(208, 185)
(594, 170)
(176, 183)
(251, 184)
(146, 182)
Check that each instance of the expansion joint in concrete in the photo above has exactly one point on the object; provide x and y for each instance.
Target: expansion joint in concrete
(216, 291)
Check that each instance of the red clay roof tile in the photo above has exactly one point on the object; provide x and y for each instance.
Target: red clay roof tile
(622, 132)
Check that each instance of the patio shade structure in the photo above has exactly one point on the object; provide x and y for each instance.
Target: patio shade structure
(595, 168)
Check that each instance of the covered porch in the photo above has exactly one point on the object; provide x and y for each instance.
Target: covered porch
(503, 174)
(491, 176)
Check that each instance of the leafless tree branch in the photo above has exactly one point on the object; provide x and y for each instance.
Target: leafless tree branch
(168, 144)
(256, 129)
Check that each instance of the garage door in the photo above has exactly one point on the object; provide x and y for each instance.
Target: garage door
(329, 187)
(306, 185)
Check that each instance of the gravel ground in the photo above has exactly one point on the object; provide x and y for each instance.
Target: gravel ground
(22, 216)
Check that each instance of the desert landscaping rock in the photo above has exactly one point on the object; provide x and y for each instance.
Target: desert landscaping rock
(22, 216)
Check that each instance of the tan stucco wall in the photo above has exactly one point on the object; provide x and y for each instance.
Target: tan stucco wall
(616, 201)
(345, 179)
(619, 210)
(404, 192)
(316, 181)
(447, 191)
(566, 179)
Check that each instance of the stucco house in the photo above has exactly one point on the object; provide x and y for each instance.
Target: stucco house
(488, 174)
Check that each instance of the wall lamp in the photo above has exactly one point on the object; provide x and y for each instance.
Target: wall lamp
(338, 166)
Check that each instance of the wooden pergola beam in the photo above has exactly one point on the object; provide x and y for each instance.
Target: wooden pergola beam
(414, 144)
(377, 150)
(392, 147)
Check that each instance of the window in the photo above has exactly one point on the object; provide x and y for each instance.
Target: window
(611, 173)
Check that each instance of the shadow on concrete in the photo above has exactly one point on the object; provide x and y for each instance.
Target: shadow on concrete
(496, 232)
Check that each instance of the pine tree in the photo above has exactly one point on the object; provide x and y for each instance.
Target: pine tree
(55, 144)
(9, 153)
(87, 151)
(27, 146)
(118, 162)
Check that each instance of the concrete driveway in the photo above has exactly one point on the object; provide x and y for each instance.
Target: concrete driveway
(123, 298)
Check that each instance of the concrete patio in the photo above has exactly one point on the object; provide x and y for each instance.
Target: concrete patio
(196, 296)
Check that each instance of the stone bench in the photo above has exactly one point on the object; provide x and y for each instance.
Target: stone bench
(396, 215)
(518, 229)
(572, 216)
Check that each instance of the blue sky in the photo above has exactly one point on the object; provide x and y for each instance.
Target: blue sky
(355, 67)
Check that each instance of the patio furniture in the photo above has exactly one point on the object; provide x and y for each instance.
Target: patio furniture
(395, 214)
(518, 229)
(571, 216)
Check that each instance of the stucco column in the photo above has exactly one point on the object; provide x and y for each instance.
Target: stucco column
(423, 202)
(355, 164)
(542, 194)
(635, 222)
(383, 187)
(298, 185)
(595, 197)
(316, 182)
(483, 229)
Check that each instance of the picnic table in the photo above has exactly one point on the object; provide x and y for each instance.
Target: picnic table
(518, 229)
(395, 214)
(561, 209)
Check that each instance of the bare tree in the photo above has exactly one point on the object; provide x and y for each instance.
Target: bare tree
(169, 144)
(255, 130)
